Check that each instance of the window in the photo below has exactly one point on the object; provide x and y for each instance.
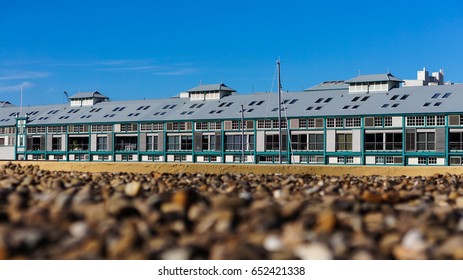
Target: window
(415, 121)
(102, 143)
(352, 122)
(343, 142)
(425, 141)
(379, 160)
(302, 123)
(456, 141)
(421, 160)
(379, 121)
(432, 160)
(151, 126)
(341, 160)
(208, 142)
(152, 143)
(78, 128)
(387, 121)
(56, 144)
(335, 122)
(349, 160)
(272, 142)
(102, 128)
(233, 142)
(176, 143)
(126, 127)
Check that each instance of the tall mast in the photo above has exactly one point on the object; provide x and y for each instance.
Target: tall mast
(279, 114)
(242, 134)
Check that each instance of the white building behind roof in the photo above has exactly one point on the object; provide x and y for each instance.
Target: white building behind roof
(87, 99)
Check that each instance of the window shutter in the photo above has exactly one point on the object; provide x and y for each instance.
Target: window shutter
(369, 121)
(440, 139)
(454, 120)
(249, 124)
(318, 122)
(410, 139)
(218, 141)
(49, 142)
(227, 125)
(198, 141)
(169, 126)
(161, 141)
(294, 123)
(142, 141)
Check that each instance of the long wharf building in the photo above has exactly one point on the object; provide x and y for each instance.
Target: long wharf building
(367, 120)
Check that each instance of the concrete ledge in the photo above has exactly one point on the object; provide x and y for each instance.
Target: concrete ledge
(143, 167)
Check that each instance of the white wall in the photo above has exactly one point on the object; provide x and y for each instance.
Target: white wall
(7, 152)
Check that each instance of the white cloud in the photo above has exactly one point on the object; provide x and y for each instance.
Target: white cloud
(16, 87)
(21, 75)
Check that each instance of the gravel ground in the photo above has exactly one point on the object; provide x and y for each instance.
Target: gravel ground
(73, 215)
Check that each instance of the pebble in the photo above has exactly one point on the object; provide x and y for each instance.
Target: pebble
(73, 215)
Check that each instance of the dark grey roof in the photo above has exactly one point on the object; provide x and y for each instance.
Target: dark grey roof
(374, 78)
(329, 85)
(211, 87)
(81, 95)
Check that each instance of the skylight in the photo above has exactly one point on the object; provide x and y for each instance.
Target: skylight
(394, 97)
(395, 105)
(345, 107)
(328, 100)
(309, 108)
(95, 110)
(143, 108)
(319, 100)
(355, 99)
(437, 104)
(385, 106)
(133, 114)
(404, 96)
(447, 95)
(426, 104)
(318, 108)
(355, 106)
(435, 96)
(365, 98)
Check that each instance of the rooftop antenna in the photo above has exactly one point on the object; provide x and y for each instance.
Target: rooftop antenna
(280, 138)
(359, 72)
(200, 82)
(67, 96)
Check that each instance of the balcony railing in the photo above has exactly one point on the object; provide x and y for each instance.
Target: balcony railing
(78, 147)
(126, 147)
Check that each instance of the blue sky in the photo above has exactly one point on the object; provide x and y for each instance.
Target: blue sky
(155, 49)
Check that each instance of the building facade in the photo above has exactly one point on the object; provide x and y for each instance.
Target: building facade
(367, 120)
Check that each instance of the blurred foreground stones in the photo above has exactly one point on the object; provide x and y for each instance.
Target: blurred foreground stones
(72, 215)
